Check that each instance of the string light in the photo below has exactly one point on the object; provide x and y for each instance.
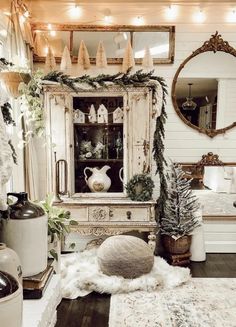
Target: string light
(52, 33)
(107, 16)
(199, 17)
(138, 21)
(3, 33)
(171, 12)
(231, 17)
(75, 11)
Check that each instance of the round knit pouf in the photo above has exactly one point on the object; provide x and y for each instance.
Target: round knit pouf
(126, 256)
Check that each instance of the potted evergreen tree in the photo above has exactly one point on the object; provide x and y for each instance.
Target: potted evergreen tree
(180, 212)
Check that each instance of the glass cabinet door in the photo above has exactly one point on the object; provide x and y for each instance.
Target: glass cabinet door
(98, 140)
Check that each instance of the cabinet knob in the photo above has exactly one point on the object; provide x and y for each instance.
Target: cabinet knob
(128, 213)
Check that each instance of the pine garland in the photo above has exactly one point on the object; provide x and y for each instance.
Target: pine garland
(5, 62)
(8, 120)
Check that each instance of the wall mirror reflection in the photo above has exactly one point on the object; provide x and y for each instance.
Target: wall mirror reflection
(203, 90)
(159, 39)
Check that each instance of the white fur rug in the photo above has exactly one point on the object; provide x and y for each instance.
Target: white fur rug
(202, 302)
(81, 275)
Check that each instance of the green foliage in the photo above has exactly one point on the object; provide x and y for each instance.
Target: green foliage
(180, 212)
(59, 221)
(8, 120)
(14, 155)
(32, 95)
(140, 188)
(5, 63)
(6, 113)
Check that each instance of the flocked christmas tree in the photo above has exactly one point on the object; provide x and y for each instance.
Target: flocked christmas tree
(50, 62)
(128, 60)
(101, 58)
(147, 59)
(181, 210)
(66, 61)
(83, 56)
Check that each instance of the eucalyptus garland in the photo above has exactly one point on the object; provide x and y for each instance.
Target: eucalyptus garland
(140, 187)
(6, 113)
(8, 120)
(5, 62)
(124, 80)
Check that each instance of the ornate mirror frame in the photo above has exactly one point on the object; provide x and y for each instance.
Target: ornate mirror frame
(215, 43)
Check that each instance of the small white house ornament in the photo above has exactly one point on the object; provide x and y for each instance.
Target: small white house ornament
(102, 114)
(92, 114)
(79, 117)
(118, 115)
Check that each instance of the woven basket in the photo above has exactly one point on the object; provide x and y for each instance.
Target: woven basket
(12, 81)
(179, 246)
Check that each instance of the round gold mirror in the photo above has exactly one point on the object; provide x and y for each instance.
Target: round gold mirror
(204, 88)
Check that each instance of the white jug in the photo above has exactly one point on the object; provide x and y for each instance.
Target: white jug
(98, 181)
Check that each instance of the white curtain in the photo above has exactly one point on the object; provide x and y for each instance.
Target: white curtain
(20, 45)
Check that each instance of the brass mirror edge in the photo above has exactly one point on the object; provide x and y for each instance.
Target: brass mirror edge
(116, 28)
(215, 43)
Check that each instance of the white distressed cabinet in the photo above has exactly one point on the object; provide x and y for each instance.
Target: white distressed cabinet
(84, 131)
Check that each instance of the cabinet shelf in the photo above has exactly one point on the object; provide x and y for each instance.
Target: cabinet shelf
(98, 125)
(99, 160)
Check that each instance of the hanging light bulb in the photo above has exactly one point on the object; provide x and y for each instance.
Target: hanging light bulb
(171, 12)
(75, 11)
(189, 104)
(231, 17)
(199, 17)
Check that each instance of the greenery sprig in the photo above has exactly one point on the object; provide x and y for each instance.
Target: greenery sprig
(6, 113)
(5, 62)
(8, 120)
(140, 187)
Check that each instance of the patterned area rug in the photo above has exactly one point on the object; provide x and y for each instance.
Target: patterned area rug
(202, 302)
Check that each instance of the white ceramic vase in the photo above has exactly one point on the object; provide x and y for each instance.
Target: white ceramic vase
(28, 238)
(98, 181)
(10, 262)
(11, 309)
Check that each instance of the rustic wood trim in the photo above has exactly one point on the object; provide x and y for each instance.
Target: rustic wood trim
(105, 28)
(116, 28)
(219, 218)
(215, 43)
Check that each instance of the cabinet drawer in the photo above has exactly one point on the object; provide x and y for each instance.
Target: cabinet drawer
(129, 214)
(79, 214)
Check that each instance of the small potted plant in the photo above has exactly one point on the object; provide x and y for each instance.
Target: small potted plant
(13, 74)
(59, 225)
(180, 213)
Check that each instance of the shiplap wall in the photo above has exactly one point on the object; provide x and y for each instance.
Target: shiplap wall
(182, 143)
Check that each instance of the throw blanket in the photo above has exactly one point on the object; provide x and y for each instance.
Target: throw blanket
(81, 275)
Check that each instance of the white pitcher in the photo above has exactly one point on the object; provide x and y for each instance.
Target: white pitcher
(98, 181)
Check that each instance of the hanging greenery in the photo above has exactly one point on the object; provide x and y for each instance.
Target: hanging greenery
(140, 188)
(33, 96)
(5, 62)
(6, 113)
(8, 120)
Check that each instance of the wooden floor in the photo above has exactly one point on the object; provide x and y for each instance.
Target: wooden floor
(93, 310)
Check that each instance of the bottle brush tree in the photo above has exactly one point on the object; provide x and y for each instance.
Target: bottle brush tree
(181, 215)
